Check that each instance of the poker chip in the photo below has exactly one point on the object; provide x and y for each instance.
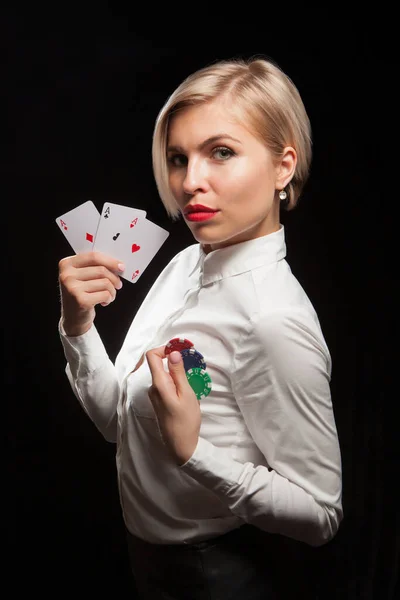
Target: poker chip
(193, 359)
(177, 344)
(200, 382)
(194, 364)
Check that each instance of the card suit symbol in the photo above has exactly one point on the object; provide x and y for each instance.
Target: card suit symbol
(89, 237)
(115, 237)
(133, 223)
(63, 224)
(135, 247)
(135, 274)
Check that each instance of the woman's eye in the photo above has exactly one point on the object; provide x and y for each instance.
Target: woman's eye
(177, 160)
(222, 153)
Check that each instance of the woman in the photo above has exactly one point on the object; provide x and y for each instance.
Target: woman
(208, 487)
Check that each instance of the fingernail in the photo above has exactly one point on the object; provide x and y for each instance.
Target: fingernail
(119, 285)
(175, 357)
(121, 267)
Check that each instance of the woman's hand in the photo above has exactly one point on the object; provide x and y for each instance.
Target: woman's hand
(175, 404)
(85, 280)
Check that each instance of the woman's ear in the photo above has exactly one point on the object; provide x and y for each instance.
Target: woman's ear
(286, 167)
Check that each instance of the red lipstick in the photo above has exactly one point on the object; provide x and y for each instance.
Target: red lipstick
(199, 212)
(200, 216)
(198, 208)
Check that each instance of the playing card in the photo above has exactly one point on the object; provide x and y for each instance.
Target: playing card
(116, 223)
(144, 244)
(126, 234)
(79, 226)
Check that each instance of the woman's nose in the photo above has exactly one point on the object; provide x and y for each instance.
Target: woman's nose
(195, 177)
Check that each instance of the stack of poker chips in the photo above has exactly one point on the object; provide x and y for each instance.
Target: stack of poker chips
(195, 365)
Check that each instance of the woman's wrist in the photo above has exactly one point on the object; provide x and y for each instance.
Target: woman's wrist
(74, 330)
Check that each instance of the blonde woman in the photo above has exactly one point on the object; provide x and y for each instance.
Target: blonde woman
(210, 487)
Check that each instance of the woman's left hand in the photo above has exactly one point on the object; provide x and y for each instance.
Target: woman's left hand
(175, 404)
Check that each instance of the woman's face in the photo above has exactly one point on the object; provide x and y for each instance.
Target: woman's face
(216, 162)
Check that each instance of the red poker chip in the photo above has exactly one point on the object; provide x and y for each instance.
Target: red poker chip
(177, 344)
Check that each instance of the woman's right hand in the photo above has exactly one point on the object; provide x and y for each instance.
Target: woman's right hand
(85, 280)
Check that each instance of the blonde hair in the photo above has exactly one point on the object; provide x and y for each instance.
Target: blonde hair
(262, 97)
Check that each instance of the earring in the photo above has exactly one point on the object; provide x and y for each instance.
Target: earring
(282, 195)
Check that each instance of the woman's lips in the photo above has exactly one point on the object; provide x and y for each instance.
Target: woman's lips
(200, 216)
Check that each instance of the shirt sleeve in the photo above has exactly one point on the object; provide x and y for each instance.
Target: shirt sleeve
(93, 379)
(280, 377)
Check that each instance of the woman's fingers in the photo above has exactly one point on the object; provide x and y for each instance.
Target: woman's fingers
(86, 280)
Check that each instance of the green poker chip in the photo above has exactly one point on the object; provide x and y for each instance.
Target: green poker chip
(200, 382)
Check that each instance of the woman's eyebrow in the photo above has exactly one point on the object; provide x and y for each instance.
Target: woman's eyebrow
(211, 140)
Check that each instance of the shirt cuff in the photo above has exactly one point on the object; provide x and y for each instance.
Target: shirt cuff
(87, 349)
(213, 467)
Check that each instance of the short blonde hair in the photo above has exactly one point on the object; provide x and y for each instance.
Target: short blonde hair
(262, 97)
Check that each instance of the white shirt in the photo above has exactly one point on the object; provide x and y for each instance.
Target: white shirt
(268, 451)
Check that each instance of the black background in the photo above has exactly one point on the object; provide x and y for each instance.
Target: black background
(83, 93)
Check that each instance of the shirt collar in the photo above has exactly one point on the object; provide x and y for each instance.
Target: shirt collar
(238, 258)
